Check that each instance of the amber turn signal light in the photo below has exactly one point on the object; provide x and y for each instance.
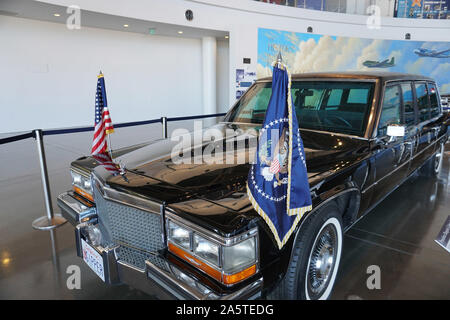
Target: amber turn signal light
(83, 193)
(195, 262)
(226, 279)
(237, 277)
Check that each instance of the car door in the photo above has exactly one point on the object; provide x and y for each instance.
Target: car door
(392, 155)
(410, 122)
(435, 113)
(425, 131)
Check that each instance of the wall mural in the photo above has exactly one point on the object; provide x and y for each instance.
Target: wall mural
(305, 52)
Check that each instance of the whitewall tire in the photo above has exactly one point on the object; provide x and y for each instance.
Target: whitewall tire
(315, 257)
(323, 262)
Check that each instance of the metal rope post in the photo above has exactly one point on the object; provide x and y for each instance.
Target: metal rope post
(164, 127)
(51, 220)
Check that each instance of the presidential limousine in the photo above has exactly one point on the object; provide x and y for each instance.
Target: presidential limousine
(189, 231)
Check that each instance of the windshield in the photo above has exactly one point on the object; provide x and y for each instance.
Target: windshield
(335, 106)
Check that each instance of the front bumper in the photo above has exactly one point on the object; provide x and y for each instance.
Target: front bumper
(161, 277)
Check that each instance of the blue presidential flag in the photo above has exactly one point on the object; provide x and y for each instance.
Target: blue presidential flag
(277, 183)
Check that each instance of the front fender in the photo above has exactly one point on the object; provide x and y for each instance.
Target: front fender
(346, 195)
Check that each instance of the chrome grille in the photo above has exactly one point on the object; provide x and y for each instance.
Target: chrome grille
(137, 258)
(132, 228)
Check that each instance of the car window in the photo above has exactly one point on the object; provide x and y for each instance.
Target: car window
(433, 100)
(254, 104)
(422, 101)
(390, 113)
(334, 106)
(408, 103)
(358, 96)
(334, 100)
(312, 101)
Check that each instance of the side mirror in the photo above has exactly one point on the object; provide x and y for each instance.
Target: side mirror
(394, 131)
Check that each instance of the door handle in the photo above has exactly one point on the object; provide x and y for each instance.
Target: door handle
(410, 145)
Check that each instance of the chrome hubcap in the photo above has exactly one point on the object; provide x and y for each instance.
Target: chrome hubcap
(322, 260)
(438, 160)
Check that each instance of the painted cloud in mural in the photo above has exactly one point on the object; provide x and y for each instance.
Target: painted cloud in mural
(322, 53)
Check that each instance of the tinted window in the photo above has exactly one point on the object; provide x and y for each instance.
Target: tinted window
(408, 103)
(334, 106)
(358, 95)
(433, 100)
(390, 114)
(334, 100)
(422, 101)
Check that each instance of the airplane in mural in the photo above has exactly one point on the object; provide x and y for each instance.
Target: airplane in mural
(432, 53)
(379, 64)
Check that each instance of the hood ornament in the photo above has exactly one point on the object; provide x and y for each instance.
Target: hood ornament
(123, 171)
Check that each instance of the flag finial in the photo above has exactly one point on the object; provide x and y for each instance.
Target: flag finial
(279, 57)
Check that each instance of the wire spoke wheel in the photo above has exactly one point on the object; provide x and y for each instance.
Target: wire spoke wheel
(322, 261)
(438, 158)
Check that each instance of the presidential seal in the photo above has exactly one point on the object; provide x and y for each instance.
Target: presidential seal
(274, 161)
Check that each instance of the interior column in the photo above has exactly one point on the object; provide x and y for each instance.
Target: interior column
(209, 54)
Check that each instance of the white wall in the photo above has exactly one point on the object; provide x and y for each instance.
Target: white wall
(48, 75)
(241, 18)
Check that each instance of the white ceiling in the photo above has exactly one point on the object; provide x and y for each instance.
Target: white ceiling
(45, 12)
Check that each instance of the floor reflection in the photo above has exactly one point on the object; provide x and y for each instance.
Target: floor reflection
(398, 236)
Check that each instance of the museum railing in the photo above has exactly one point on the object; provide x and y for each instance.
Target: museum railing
(51, 220)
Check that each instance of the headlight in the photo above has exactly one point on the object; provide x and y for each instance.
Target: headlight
(179, 235)
(239, 256)
(81, 184)
(76, 178)
(228, 260)
(87, 184)
(206, 250)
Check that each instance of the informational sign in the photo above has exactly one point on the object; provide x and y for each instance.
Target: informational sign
(244, 79)
(422, 9)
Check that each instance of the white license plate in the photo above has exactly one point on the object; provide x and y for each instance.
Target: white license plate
(93, 259)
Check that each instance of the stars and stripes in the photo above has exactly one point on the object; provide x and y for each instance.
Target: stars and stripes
(103, 124)
(275, 166)
(104, 159)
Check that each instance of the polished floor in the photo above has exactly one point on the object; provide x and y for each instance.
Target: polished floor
(398, 236)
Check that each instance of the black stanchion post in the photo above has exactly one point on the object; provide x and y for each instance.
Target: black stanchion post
(51, 220)
(164, 127)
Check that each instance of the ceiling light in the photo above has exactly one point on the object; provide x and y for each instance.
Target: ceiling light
(56, 14)
(226, 37)
(180, 32)
(125, 26)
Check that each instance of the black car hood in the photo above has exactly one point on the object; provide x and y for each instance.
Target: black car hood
(217, 192)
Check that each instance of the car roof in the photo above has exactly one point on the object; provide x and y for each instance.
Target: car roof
(381, 75)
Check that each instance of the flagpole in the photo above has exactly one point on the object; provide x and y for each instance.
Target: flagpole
(109, 146)
(108, 135)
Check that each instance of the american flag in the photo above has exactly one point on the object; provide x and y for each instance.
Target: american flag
(274, 166)
(104, 159)
(103, 124)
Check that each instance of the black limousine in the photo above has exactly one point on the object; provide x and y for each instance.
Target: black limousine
(189, 231)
